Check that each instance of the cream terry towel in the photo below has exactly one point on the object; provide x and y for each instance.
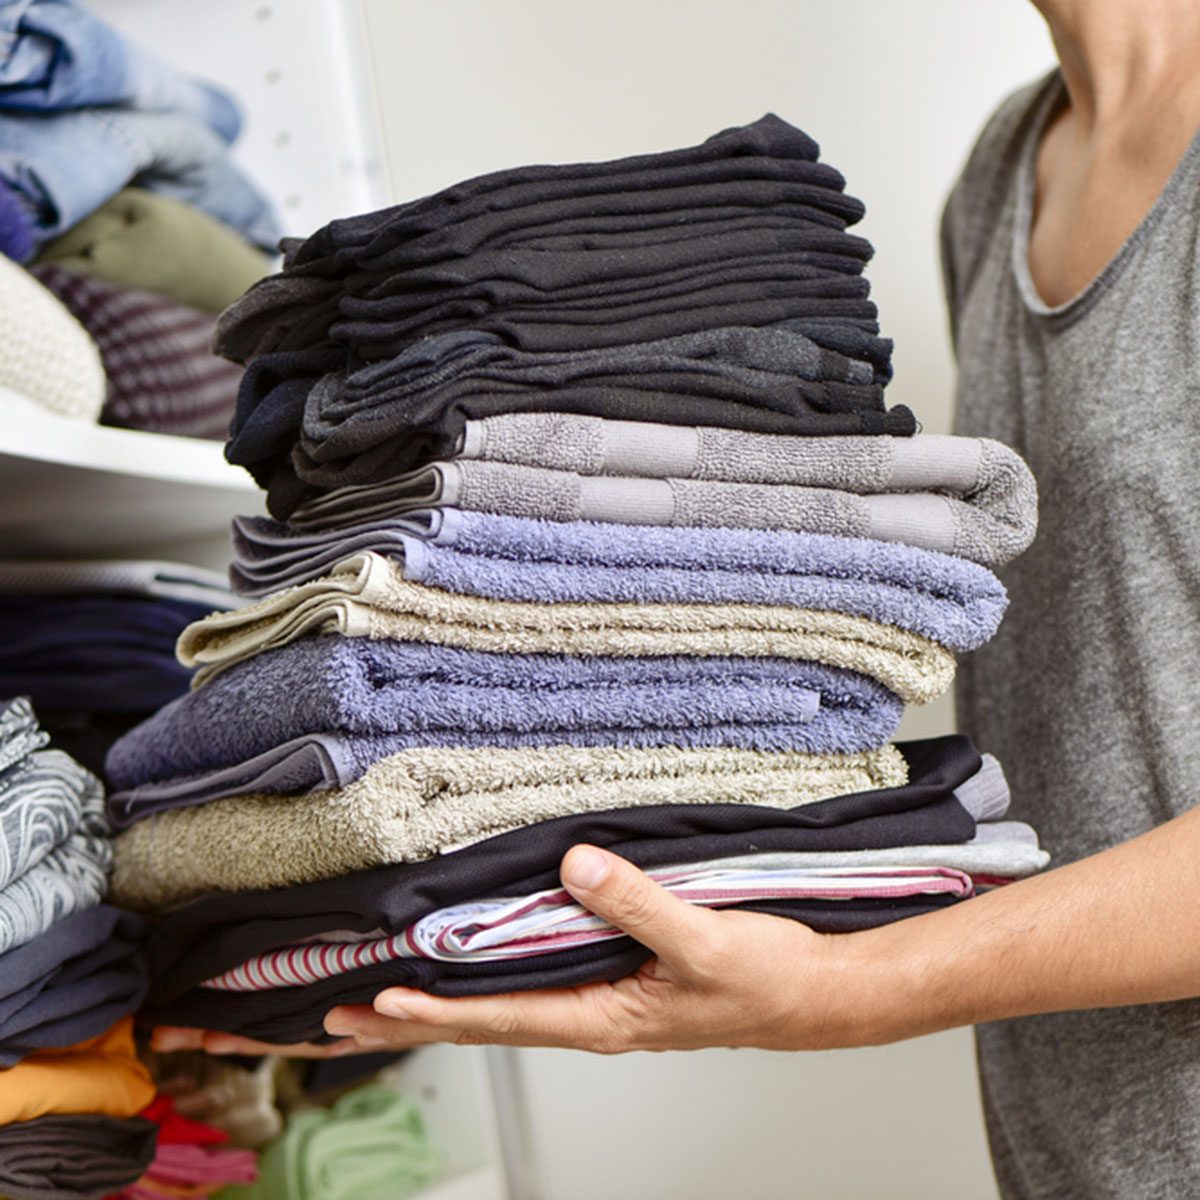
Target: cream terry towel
(367, 596)
(424, 802)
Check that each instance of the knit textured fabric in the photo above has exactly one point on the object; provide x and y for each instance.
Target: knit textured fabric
(420, 803)
(370, 1143)
(367, 596)
(48, 355)
(944, 598)
(85, 1157)
(987, 494)
(162, 374)
(146, 242)
(377, 697)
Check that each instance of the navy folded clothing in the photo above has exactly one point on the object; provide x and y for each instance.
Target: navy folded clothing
(72, 982)
(100, 653)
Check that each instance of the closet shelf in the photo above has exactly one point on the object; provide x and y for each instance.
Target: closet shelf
(73, 489)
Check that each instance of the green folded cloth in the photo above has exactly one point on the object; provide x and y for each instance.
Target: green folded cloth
(142, 240)
(371, 1145)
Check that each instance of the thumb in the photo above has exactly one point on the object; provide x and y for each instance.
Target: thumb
(616, 890)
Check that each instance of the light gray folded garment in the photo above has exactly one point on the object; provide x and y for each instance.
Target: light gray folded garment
(985, 488)
(19, 733)
(41, 802)
(72, 876)
(1004, 849)
(172, 581)
(983, 505)
(985, 795)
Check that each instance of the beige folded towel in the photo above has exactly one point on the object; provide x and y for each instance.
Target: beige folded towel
(366, 596)
(420, 803)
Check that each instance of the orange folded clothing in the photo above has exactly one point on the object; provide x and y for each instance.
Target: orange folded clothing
(102, 1075)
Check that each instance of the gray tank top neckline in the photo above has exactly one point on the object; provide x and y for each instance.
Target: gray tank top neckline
(1052, 95)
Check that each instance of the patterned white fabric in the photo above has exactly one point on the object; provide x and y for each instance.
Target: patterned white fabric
(491, 930)
(19, 733)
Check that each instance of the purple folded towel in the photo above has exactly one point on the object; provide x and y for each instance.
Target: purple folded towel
(325, 708)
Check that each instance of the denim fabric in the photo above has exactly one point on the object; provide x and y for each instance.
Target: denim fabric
(41, 155)
(55, 54)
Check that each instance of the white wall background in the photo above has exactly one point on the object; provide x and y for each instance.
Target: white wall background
(895, 91)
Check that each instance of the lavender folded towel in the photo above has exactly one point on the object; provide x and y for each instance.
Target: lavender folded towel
(352, 701)
(954, 602)
(986, 497)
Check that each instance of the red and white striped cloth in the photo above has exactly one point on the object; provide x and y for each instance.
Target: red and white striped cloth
(492, 930)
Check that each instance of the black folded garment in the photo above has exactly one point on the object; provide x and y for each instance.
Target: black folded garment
(74, 1157)
(477, 230)
(94, 652)
(71, 983)
(368, 236)
(304, 427)
(216, 933)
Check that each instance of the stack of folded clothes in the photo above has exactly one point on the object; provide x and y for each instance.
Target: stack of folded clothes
(143, 269)
(71, 973)
(591, 524)
(92, 643)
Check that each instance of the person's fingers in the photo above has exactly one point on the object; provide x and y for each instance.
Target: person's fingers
(607, 885)
(227, 1043)
(575, 1017)
(167, 1039)
(373, 1032)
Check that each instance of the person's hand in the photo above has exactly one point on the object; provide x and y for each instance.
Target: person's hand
(718, 979)
(168, 1038)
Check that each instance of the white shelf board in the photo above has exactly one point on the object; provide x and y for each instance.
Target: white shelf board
(69, 488)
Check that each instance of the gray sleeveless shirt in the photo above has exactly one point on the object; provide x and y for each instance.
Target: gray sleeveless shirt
(1090, 695)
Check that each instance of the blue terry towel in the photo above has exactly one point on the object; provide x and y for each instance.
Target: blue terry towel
(377, 697)
(947, 599)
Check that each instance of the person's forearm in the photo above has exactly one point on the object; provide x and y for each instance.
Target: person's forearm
(1121, 927)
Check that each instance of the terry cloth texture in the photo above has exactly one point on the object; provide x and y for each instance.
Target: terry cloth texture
(1088, 692)
(917, 518)
(425, 802)
(424, 694)
(96, 652)
(53, 878)
(366, 596)
(372, 422)
(551, 921)
(162, 374)
(371, 1142)
(48, 355)
(985, 493)
(102, 1075)
(74, 1157)
(218, 932)
(946, 599)
(71, 983)
(133, 577)
(152, 243)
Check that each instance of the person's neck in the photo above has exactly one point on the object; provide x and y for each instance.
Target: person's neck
(1115, 53)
